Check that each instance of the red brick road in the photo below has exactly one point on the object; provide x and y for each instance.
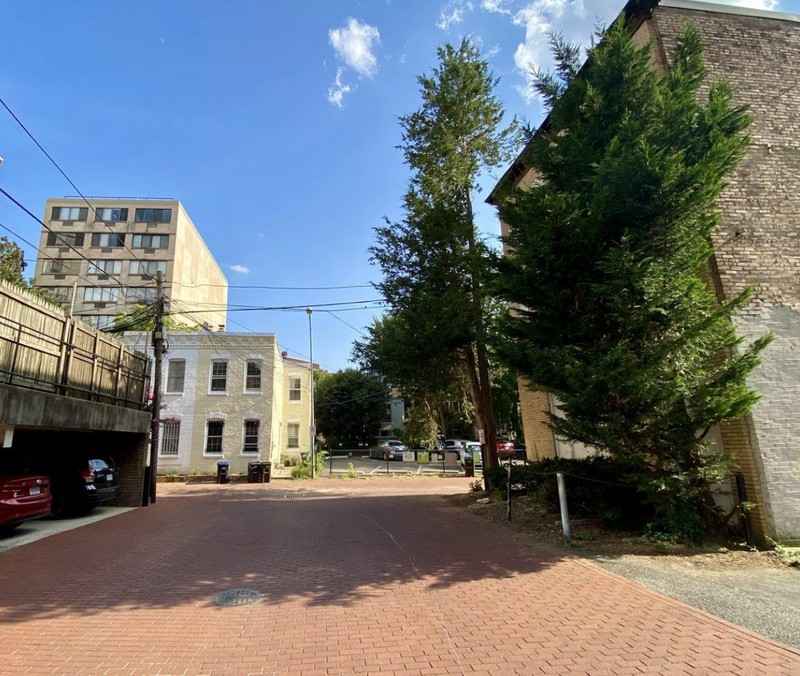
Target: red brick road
(375, 577)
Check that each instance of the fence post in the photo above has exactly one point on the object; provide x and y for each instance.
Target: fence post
(17, 343)
(562, 502)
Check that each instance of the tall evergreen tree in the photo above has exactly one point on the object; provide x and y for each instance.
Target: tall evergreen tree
(616, 316)
(434, 261)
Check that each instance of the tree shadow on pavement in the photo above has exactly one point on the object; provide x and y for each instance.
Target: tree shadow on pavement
(291, 544)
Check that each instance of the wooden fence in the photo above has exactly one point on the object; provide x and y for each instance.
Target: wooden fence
(41, 348)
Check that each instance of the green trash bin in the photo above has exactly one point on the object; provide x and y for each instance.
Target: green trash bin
(266, 473)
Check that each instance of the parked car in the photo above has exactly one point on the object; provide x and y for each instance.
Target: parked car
(474, 448)
(80, 483)
(389, 449)
(23, 495)
(504, 445)
(458, 446)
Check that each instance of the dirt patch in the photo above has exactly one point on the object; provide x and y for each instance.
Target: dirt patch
(590, 537)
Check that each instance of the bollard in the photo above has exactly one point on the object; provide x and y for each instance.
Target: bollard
(562, 502)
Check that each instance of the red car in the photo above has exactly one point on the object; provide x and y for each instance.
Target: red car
(504, 445)
(23, 497)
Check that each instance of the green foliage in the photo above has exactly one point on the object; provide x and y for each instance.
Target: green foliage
(303, 469)
(433, 261)
(611, 246)
(350, 404)
(142, 317)
(420, 429)
(12, 268)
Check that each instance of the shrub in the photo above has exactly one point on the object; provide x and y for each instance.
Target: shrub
(303, 470)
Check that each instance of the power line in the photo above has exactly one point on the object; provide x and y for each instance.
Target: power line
(64, 174)
(21, 238)
(287, 308)
(330, 312)
(279, 288)
(50, 230)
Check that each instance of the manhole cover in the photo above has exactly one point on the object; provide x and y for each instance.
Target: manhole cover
(236, 597)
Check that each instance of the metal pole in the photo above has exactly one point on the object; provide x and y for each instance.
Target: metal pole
(311, 429)
(508, 491)
(562, 502)
(158, 350)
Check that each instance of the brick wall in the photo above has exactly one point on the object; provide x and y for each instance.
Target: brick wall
(758, 243)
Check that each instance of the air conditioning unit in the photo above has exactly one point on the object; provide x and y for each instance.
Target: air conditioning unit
(107, 250)
(149, 251)
(102, 277)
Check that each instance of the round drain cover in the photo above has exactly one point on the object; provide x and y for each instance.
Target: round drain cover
(236, 597)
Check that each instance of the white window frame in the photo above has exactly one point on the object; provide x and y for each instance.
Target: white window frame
(289, 437)
(221, 452)
(104, 266)
(107, 240)
(257, 450)
(147, 268)
(165, 425)
(170, 376)
(211, 376)
(298, 389)
(260, 364)
(106, 214)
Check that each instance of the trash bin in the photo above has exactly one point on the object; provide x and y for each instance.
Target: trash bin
(223, 471)
(469, 465)
(266, 474)
(255, 473)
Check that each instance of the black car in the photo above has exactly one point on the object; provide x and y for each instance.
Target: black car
(79, 484)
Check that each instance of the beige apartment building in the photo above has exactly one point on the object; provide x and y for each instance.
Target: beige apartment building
(103, 259)
(229, 396)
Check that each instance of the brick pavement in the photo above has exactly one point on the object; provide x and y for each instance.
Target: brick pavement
(377, 577)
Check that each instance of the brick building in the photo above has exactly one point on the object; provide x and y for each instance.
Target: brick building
(757, 242)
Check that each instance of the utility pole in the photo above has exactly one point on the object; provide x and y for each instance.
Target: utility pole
(312, 428)
(158, 351)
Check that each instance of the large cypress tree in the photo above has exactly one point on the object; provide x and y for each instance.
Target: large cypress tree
(616, 316)
(434, 262)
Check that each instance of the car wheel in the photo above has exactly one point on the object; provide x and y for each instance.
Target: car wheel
(57, 506)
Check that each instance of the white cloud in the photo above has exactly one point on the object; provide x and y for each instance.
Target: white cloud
(496, 6)
(354, 45)
(338, 89)
(493, 51)
(453, 13)
(241, 269)
(576, 19)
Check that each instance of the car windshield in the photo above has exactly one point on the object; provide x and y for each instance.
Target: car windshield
(96, 464)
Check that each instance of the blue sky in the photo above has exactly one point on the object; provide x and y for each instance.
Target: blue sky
(275, 123)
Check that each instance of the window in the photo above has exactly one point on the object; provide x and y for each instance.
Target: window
(250, 437)
(105, 267)
(62, 267)
(170, 435)
(111, 214)
(253, 379)
(151, 241)
(108, 239)
(138, 294)
(65, 239)
(101, 322)
(60, 292)
(219, 376)
(153, 215)
(295, 388)
(104, 294)
(69, 213)
(147, 268)
(214, 437)
(176, 370)
(293, 432)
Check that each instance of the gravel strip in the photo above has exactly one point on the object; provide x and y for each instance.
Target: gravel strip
(766, 601)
